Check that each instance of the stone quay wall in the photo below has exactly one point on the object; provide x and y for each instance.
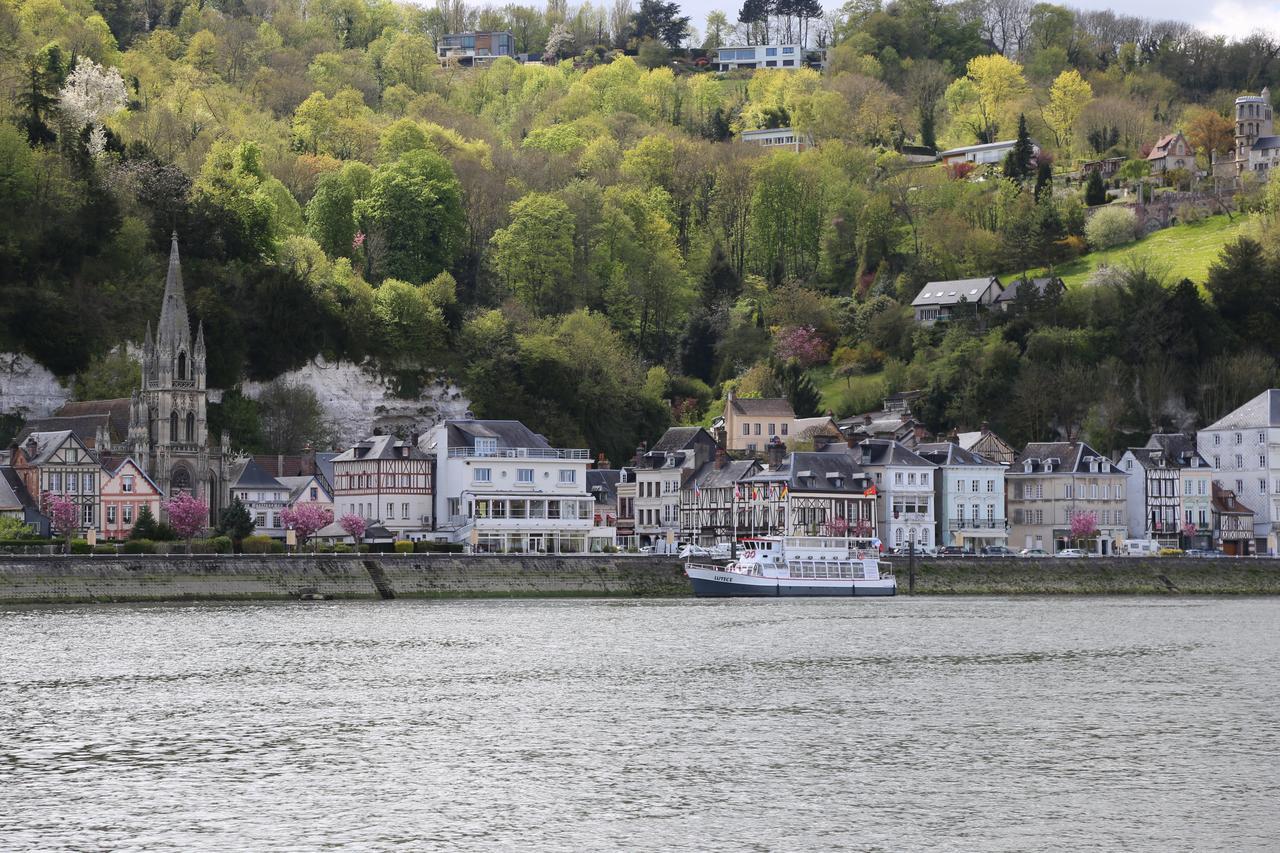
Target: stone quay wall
(56, 579)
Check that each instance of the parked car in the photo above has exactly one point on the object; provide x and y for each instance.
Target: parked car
(1032, 552)
(996, 551)
(953, 551)
(1203, 553)
(1072, 553)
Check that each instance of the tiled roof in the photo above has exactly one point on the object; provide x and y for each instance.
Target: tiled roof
(680, 438)
(1069, 456)
(1160, 148)
(463, 433)
(809, 471)
(946, 453)
(762, 407)
(253, 476)
(380, 447)
(1262, 411)
(711, 477)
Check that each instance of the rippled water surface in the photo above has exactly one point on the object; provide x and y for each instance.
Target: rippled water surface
(903, 724)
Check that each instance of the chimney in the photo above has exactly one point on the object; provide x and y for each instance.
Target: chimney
(953, 437)
(985, 429)
(309, 460)
(851, 440)
(640, 449)
(721, 435)
(601, 462)
(774, 453)
(722, 457)
(820, 441)
(279, 465)
(920, 431)
(866, 419)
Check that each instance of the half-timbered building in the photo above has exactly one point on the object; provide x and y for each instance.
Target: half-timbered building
(386, 480)
(59, 463)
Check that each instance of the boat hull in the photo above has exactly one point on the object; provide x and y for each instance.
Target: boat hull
(714, 584)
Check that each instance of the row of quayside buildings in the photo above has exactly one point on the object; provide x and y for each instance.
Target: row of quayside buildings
(497, 486)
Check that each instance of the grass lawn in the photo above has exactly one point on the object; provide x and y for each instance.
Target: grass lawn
(1183, 251)
(835, 390)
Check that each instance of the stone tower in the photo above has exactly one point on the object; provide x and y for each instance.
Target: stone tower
(168, 423)
(1253, 120)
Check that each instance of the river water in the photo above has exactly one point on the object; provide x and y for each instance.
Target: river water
(882, 724)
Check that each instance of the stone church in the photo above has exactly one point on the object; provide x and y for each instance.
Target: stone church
(164, 426)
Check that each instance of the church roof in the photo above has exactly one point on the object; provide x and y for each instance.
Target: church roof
(84, 418)
(174, 331)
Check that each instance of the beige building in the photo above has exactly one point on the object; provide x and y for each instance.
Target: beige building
(1050, 483)
(751, 423)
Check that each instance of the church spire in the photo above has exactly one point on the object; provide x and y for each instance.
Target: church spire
(200, 338)
(174, 331)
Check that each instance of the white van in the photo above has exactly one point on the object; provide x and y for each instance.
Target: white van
(1140, 548)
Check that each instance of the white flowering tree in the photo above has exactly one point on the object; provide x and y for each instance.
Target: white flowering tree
(91, 94)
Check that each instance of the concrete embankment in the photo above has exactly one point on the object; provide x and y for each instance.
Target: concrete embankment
(27, 580)
(1095, 576)
(65, 580)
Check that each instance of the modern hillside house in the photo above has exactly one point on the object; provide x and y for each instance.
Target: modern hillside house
(758, 56)
(475, 48)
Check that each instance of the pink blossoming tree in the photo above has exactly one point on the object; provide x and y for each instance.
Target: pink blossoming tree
(63, 517)
(354, 525)
(188, 515)
(306, 519)
(802, 345)
(1084, 525)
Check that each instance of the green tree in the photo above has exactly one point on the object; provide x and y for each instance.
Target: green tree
(414, 217)
(234, 521)
(1094, 192)
(534, 254)
(331, 215)
(1019, 163)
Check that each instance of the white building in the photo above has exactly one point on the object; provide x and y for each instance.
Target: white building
(988, 154)
(758, 56)
(501, 488)
(969, 497)
(905, 497)
(778, 137)
(659, 474)
(475, 49)
(939, 300)
(1244, 448)
(264, 496)
(1170, 486)
(387, 481)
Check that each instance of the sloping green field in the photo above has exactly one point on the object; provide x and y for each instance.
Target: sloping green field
(1183, 251)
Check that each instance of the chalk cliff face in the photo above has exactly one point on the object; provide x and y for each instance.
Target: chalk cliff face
(358, 399)
(28, 389)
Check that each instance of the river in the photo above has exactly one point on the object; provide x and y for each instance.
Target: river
(883, 724)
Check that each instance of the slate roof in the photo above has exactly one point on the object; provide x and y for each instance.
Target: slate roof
(953, 292)
(84, 418)
(1266, 143)
(1069, 456)
(381, 447)
(253, 476)
(679, 438)
(1011, 292)
(463, 433)
(117, 465)
(295, 485)
(46, 444)
(17, 487)
(810, 471)
(883, 451)
(946, 453)
(602, 484)
(762, 407)
(711, 477)
(9, 500)
(986, 146)
(1177, 450)
(1262, 411)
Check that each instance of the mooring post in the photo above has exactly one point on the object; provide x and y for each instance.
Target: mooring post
(911, 567)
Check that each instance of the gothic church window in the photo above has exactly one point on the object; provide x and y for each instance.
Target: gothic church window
(173, 426)
(191, 427)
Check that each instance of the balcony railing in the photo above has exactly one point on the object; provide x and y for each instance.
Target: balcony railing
(976, 524)
(520, 453)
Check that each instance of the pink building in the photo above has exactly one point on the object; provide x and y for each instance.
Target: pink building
(124, 493)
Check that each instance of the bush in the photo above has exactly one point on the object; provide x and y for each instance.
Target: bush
(139, 546)
(105, 549)
(215, 545)
(404, 546)
(80, 546)
(342, 548)
(425, 547)
(1111, 226)
(256, 544)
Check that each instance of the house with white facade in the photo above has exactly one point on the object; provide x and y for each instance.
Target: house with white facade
(968, 495)
(502, 488)
(903, 484)
(474, 48)
(758, 56)
(387, 481)
(660, 472)
(986, 154)
(264, 496)
(602, 485)
(778, 137)
(1244, 448)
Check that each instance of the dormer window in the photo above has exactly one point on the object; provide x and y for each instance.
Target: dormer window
(1026, 467)
(486, 446)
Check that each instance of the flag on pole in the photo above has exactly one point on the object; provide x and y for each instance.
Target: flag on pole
(737, 491)
(785, 491)
(869, 492)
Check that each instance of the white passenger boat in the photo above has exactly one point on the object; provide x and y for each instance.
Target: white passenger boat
(797, 566)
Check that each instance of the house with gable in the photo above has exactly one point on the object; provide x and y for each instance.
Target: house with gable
(1170, 487)
(903, 485)
(1052, 482)
(126, 491)
(264, 496)
(1171, 151)
(750, 423)
(939, 301)
(1243, 446)
(710, 496)
(60, 463)
(987, 444)
(968, 496)
(808, 493)
(660, 474)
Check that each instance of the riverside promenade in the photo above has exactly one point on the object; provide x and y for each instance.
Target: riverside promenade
(76, 579)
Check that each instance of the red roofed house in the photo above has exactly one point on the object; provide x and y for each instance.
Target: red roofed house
(1172, 152)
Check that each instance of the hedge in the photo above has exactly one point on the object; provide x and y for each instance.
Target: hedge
(139, 546)
(403, 546)
(425, 547)
(104, 549)
(215, 545)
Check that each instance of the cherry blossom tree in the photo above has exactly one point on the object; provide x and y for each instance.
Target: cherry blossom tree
(306, 519)
(802, 345)
(63, 517)
(354, 525)
(188, 515)
(837, 527)
(91, 94)
(1084, 525)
